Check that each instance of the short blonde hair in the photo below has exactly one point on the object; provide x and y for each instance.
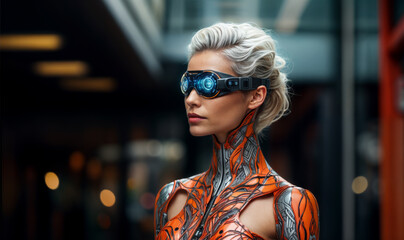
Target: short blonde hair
(252, 53)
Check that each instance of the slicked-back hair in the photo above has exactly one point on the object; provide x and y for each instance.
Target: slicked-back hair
(251, 52)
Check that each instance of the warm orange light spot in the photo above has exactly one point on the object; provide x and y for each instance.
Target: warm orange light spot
(61, 68)
(30, 42)
(94, 169)
(89, 84)
(131, 184)
(76, 161)
(51, 180)
(107, 198)
(359, 184)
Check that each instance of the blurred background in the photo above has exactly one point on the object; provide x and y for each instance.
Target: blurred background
(93, 122)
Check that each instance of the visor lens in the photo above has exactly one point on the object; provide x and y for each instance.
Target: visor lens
(205, 84)
(184, 84)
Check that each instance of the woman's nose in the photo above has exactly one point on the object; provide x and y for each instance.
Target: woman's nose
(193, 99)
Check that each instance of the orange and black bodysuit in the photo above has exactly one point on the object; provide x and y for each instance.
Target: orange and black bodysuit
(238, 174)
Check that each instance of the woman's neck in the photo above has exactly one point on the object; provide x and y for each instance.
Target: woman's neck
(237, 157)
(249, 119)
(221, 138)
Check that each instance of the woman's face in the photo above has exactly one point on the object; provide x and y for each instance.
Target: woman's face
(219, 115)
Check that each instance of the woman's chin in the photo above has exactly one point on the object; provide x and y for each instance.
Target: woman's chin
(198, 132)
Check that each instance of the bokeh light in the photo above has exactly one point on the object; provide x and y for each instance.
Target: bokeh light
(107, 198)
(51, 180)
(174, 151)
(30, 42)
(154, 148)
(76, 161)
(131, 184)
(94, 169)
(61, 68)
(104, 221)
(359, 184)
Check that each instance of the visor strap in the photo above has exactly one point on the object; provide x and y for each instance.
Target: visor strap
(256, 82)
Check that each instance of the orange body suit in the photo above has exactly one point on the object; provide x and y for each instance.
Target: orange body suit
(238, 174)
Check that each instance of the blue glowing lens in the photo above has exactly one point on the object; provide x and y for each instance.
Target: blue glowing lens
(184, 85)
(205, 84)
(208, 83)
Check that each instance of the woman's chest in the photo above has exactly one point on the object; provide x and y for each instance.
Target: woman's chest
(212, 217)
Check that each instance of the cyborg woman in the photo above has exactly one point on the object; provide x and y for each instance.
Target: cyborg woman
(233, 89)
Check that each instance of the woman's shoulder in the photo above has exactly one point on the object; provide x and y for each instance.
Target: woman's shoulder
(291, 191)
(294, 196)
(165, 196)
(296, 213)
(168, 189)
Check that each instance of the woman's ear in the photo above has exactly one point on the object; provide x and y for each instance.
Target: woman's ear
(257, 97)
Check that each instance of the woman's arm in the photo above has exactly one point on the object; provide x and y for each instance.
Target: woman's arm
(296, 214)
(160, 207)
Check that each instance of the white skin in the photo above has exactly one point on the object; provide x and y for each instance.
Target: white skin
(218, 117)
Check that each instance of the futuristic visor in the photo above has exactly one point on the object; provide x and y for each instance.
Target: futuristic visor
(211, 84)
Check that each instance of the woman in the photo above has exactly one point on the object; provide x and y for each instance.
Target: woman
(233, 89)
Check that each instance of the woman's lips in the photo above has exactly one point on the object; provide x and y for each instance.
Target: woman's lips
(194, 118)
